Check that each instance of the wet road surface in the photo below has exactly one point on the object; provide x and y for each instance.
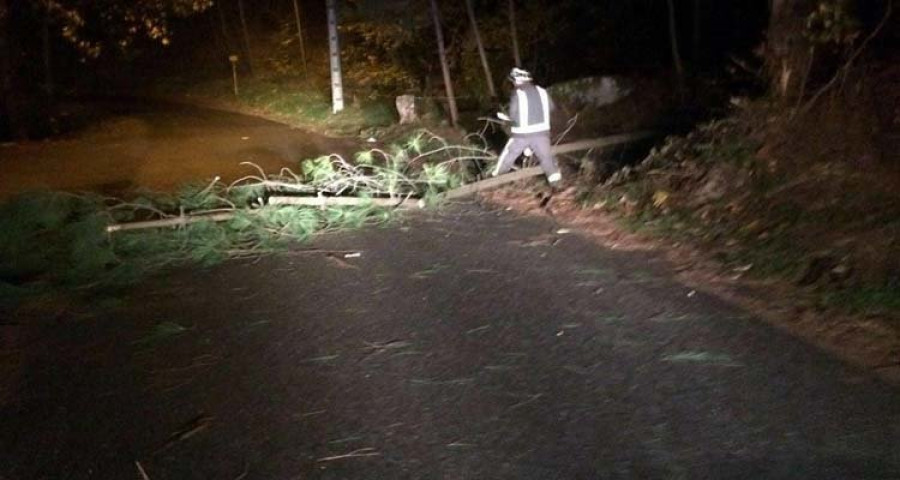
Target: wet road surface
(159, 146)
(466, 344)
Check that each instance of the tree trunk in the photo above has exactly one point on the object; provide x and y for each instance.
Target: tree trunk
(787, 49)
(445, 67)
(337, 80)
(300, 35)
(695, 33)
(484, 60)
(517, 57)
(226, 32)
(11, 124)
(248, 52)
(673, 40)
(47, 47)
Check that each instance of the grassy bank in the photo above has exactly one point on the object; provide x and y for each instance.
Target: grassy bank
(290, 100)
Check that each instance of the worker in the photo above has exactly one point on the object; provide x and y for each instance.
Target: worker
(529, 113)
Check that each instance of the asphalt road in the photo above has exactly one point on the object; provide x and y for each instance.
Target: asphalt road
(465, 344)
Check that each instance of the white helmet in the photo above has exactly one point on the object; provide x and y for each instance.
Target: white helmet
(519, 76)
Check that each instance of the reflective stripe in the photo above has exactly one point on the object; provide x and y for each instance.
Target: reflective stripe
(501, 159)
(523, 107)
(524, 127)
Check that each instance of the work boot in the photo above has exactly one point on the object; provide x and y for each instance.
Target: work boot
(555, 182)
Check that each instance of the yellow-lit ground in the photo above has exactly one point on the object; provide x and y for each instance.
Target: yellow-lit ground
(159, 148)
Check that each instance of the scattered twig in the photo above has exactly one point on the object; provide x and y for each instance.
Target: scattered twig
(191, 428)
(531, 399)
(757, 72)
(144, 475)
(457, 381)
(323, 358)
(378, 347)
(460, 445)
(569, 126)
(246, 472)
(478, 329)
(201, 361)
(362, 452)
(314, 413)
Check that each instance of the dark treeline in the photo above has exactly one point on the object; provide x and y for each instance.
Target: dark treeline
(48, 49)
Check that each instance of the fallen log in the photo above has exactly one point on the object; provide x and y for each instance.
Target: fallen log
(278, 200)
(493, 182)
(524, 173)
(601, 142)
(406, 202)
(170, 222)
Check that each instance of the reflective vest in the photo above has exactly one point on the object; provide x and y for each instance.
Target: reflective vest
(531, 113)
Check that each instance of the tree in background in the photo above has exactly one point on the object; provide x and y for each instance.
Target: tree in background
(10, 108)
(814, 43)
(248, 51)
(445, 66)
(489, 80)
(300, 36)
(90, 26)
(788, 51)
(514, 34)
(95, 25)
(673, 41)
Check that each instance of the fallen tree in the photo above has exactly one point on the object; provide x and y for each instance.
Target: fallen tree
(351, 175)
(92, 242)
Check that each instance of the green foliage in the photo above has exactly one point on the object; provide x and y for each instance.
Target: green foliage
(93, 26)
(51, 234)
(832, 23)
(869, 300)
(319, 171)
(296, 101)
(61, 241)
(381, 58)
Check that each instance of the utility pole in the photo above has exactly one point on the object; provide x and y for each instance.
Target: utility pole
(337, 83)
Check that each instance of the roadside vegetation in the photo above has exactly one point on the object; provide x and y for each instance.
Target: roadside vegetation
(797, 186)
(742, 191)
